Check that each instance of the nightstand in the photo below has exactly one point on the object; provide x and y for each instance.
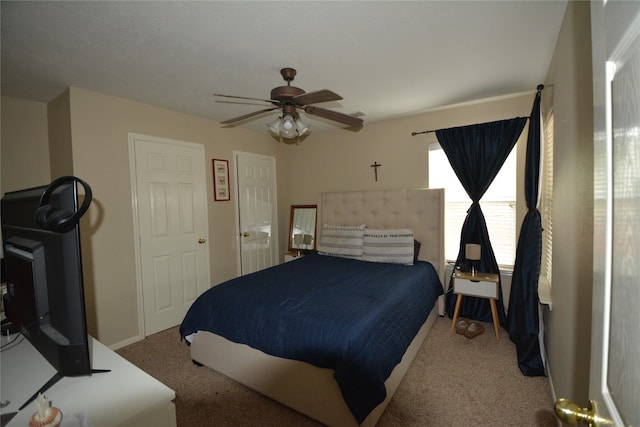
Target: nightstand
(480, 285)
(291, 256)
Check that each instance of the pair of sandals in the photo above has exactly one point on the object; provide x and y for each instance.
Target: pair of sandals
(468, 328)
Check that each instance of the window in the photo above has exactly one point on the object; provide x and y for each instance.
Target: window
(546, 202)
(498, 205)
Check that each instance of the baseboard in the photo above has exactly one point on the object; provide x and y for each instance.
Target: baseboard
(554, 397)
(126, 342)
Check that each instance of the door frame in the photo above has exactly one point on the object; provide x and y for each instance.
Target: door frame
(236, 202)
(136, 217)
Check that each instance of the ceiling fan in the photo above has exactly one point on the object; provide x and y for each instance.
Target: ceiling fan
(290, 99)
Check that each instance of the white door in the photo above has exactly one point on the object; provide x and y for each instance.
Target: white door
(615, 342)
(170, 216)
(257, 212)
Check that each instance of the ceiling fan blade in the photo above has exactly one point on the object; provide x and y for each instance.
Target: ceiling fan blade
(246, 116)
(221, 101)
(333, 115)
(316, 97)
(244, 97)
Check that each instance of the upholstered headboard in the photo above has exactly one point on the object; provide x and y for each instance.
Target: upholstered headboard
(420, 209)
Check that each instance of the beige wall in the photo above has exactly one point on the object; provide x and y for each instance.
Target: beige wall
(60, 140)
(340, 160)
(25, 148)
(568, 326)
(100, 127)
(88, 136)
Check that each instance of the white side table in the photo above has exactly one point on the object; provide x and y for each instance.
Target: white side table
(480, 285)
(292, 256)
(126, 396)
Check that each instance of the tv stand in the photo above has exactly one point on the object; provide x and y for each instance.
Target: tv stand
(126, 397)
(54, 379)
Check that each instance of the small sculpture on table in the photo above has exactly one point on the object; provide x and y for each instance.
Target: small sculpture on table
(46, 415)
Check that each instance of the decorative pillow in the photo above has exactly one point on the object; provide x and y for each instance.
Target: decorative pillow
(416, 250)
(341, 241)
(395, 246)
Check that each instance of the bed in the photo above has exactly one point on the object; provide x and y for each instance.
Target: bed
(330, 383)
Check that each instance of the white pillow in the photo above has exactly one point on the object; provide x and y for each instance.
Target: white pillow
(391, 245)
(341, 241)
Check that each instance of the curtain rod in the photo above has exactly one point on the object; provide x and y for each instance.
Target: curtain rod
(539, 88)
(430, 131)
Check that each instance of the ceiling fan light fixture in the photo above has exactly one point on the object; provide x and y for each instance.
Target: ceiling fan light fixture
(288, 133)
(287, 127)
(287, 122)
(302, 127)
(274, 126)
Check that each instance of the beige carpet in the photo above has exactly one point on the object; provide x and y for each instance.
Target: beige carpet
(454, 381)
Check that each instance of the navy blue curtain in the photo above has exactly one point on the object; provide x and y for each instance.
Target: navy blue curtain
(476, 154)
(523, 322)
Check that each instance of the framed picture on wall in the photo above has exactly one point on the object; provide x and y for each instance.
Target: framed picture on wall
(221, 180)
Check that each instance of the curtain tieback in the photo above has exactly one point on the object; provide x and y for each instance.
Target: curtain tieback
(473, 204)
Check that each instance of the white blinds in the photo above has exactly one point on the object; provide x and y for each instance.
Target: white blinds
(546, 203)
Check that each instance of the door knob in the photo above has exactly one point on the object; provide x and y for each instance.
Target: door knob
(245, 234)
(570, 413)
(202, 240)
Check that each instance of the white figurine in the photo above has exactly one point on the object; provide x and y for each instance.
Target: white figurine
(46, 415)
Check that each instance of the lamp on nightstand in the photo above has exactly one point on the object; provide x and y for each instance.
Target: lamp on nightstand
(472, 253)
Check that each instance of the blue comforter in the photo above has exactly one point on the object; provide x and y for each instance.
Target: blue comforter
(354, 317)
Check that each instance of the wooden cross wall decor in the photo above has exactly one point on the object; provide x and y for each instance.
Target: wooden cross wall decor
(375, 167)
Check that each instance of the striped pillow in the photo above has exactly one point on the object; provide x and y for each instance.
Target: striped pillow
(391, 245)
(341, 241)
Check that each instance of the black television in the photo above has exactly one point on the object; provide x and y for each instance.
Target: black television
(43, 263)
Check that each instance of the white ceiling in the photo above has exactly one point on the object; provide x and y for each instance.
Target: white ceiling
(385, 58)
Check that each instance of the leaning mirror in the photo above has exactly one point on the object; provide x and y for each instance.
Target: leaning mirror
(302, 228)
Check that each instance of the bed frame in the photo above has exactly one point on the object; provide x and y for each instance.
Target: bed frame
(306, 388)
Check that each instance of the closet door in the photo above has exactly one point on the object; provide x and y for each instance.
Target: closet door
(170, 214)
(257, 212)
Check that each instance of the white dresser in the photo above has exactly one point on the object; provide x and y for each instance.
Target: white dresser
(126, 396)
